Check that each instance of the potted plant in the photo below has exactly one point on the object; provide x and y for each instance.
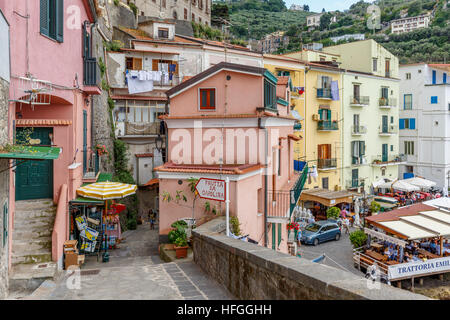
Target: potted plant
(181, 247)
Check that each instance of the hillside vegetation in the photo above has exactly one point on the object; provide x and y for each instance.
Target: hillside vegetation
(252, 19)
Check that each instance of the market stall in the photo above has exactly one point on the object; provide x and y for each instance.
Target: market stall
(94, 216)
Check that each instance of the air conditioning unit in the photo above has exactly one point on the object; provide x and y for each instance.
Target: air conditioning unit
(315, 117)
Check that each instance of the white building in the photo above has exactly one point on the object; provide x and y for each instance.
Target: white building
(189, 10)
(296, 7)
(357, 36)
(425, 121)
(410, 24)
(314, 20)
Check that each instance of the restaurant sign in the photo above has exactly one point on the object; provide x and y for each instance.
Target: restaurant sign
(419, 268)
(211, 189)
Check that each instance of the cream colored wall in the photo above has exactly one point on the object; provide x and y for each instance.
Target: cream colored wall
(370, 116)
(358, 56)
(310, 55)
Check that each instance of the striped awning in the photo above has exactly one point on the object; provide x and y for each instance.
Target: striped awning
(107, 190)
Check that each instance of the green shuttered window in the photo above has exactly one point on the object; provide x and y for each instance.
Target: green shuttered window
(52, 19)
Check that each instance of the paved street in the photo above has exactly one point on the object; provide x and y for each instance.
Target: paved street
(135, 272)
(339, 253)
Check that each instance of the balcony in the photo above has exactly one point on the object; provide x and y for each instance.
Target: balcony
(327, 125)
(388, 160)
(387, 74)
(324, 93)
(282, 203)
(359, 130)
(137, 129)
(387, 103)
(387, 130)
(91, 76)
(326, 164)
(359, 101)
(176, 80)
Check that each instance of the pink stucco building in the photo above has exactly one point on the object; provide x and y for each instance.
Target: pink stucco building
(51, 50)
(232, 121)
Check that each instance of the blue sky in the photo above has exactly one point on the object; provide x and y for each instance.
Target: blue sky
(329, 5)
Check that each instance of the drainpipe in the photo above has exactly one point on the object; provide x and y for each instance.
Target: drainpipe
(266, 182)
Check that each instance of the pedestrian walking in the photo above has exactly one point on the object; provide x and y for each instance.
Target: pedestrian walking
(299, 237)
(152, 218)
(346, 225)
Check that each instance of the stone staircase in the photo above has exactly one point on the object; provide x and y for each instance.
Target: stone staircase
(32, 243)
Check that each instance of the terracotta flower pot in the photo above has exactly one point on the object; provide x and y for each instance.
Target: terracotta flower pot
(181, 252)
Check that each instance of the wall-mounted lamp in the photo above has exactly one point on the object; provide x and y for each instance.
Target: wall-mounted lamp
(159, 143)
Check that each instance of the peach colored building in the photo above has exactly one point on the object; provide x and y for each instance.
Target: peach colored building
(50, 51)
(232, 121)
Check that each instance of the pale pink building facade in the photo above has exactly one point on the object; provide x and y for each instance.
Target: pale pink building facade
(218, 125)
(48, 43)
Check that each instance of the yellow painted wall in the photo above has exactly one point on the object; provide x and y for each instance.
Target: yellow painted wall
(313, 137)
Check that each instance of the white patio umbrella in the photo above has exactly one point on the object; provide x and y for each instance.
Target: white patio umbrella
(420, 182)
(400, 185)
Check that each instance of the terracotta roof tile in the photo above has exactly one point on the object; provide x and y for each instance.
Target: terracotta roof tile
(226, 169)
(144, 155)
(401, 212)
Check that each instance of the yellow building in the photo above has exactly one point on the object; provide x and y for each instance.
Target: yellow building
(322, 125)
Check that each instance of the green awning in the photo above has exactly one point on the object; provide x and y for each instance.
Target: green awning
(104, 176)
(32, 153)
(83, 200)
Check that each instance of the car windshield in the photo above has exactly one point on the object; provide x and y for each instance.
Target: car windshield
(313, 227)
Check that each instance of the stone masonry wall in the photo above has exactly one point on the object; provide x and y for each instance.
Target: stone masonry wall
(101, 127)
(4, 185)
(249, 271)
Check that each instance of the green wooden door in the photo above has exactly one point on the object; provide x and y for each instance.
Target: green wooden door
(34, 179)
(385, 156)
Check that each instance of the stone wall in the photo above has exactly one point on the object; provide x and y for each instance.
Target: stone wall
(4, 187)
(101, 120)
(249, 271)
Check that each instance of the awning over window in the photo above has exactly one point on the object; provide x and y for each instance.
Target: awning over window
(32, 153)
(327, 197)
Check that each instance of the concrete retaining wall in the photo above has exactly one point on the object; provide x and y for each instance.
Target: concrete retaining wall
(250, 271)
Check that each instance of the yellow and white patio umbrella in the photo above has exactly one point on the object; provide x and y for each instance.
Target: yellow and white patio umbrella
(107, 190)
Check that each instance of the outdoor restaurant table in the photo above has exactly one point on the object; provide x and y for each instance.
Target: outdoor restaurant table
(427, 254)
(375, 255)
(392, 262)
(377, 245)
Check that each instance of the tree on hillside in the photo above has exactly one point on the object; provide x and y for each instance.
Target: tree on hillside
(218, 12)
(305, 7)
(415, 8)
(325, 21)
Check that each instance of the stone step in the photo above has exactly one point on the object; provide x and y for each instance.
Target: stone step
(34, 225)
(30, 246)
(26, 205)
(30, 235)
(25, 215)
(31, 276)
(38, 256)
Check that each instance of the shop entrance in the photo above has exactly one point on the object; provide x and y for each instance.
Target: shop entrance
(34, 179)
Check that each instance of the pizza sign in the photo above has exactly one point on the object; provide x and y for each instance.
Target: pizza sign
(211, 189)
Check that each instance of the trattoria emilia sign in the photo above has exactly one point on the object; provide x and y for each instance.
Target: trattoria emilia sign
(408, 270)
(211, 189)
